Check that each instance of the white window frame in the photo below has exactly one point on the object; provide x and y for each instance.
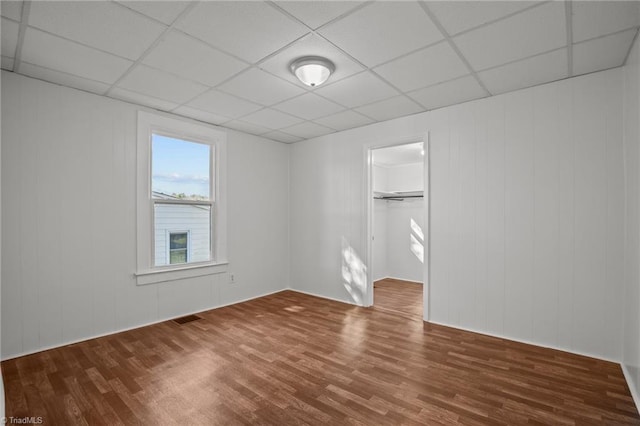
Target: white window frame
(147, 272)
(168, 245)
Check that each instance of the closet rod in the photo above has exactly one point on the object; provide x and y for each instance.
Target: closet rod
(400, 198)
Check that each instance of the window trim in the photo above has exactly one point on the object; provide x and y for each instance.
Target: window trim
(146, 271)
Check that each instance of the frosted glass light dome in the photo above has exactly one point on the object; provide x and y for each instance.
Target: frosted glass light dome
(312, 70)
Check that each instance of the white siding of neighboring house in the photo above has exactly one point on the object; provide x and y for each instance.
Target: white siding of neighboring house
(181, 218)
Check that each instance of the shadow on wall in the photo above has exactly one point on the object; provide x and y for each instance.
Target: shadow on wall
(354, 273)
(417, 241)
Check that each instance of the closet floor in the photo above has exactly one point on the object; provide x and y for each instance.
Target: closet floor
(398, 296)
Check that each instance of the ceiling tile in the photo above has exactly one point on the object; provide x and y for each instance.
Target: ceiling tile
(425, 67)
(245, 127)
(160, 84)
(534, 31)
(344, 120)
(191, 58)
(449, 93)
(317, 13)
(250, 30)
(279, 136)
(390, 108)
(595, 18)
(141, 99)
(9, 37)
(528, 72)
(261, 87)
(198, 114)
(7, 63)
(359, 89)
(222, 104)
(308, 130)
(311, 45)
(63, 79)
(458, 16)
(163, 11)
(309, 106)
(271, 119)
(11, 9)
(382, 31)
(602, 53)
(104, 25)
(63, 55)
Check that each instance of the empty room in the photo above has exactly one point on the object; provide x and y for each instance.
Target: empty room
(320, 212)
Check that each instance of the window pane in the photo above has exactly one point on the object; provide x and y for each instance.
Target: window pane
(182, 227)
(178, 241)
(180, 169)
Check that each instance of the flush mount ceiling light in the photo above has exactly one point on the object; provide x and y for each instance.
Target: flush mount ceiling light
(312, 70)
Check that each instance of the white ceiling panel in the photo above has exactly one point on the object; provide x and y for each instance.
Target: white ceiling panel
(9, 37)
(596, 18)
(359, 89)
(534, 31)
(63, 55)
(602, 53)
(449, 93)
(279, 136)
(207, 117)
(344, 120)
(250, 30)
(6, 63)
(458, 16)
(307, 130)
(159, 84)
(528, 72)
(183, 55)
(390, 108)
(317, 13)
(423, 68)
(142, 99)
(11, 9)
(243, 126)
(271, 119)
(382, 31)
(309, 106)
(163, 11)
(258, 86)
(63, 79)
(103, 25)
(223, 104)
(311, 45)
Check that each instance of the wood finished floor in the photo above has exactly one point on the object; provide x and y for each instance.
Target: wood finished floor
(398, 296)
(290, 359)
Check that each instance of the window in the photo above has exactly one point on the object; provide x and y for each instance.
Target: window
(181, 199)
(178, 247)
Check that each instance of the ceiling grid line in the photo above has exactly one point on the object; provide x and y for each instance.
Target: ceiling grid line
(448, 38)
(24, 22)
(156, 42)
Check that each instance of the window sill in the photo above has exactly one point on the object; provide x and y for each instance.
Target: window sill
(172, 274)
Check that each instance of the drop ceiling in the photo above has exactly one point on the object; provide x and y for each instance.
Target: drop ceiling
(226, 63)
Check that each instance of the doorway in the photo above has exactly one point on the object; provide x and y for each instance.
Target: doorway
(397, 219)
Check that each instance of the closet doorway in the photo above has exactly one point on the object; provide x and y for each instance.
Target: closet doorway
(397, 228)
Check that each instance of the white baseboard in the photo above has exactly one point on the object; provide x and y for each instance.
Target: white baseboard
(308, 293)
(400, 279)
(634, 392)
(120, 330)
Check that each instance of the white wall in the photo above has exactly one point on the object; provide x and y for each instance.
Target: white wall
(526, 212)
(405, 177)
(68, 197)
(631, 340)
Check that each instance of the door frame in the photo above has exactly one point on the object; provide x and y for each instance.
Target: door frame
(369, 225)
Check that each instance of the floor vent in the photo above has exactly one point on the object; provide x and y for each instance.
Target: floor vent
(188, 318)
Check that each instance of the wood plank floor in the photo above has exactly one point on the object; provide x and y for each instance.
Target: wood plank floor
(398, 296)
(289, 359)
